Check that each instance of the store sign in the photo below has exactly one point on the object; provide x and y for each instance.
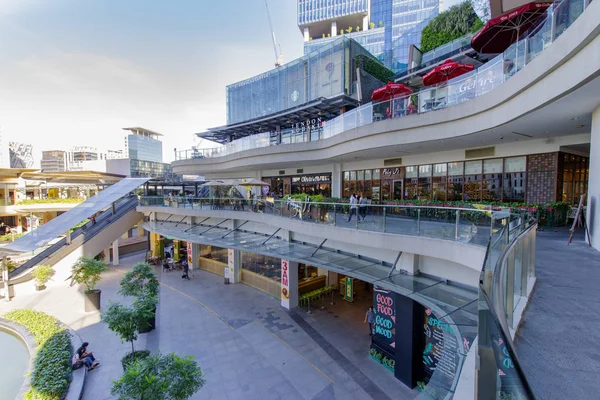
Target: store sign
(285, 284)
(384, 305)
(295, 96)
(190, 259)
(230, 263)
(304, 126)
(311, 179)
(389, 172)
(438, 334)
(349, 295)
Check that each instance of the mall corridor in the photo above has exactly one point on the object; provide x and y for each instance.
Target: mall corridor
(557, 344)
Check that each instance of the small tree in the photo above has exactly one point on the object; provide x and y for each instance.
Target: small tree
(42, 274)
(87, 271)
(371, 25)
(451, 24)
(139, 281)
(124, 321)
(160, 377)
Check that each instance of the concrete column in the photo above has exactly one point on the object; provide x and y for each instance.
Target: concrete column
(107, 255)
(365, 23)
(125, 235)
(115, 247)
(234, 263)
(336, 180)
(140, 229)
(323, 271)
(408, 262)
(289, 284)
(306, 34)
(593, 212)
(334, 30)
(68, 237)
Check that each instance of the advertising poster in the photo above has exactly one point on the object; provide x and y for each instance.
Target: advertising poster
(349, 295)
(189, 254)
(438, 335)
(285, 284)
(385, 317)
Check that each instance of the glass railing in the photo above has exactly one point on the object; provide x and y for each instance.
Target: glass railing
(467, 225)
(505, 281)
(467, 87)
(448, 48)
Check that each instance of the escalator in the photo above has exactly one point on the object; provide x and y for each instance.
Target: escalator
(124, 212)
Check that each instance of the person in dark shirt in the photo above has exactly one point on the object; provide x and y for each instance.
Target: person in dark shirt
(83, 353)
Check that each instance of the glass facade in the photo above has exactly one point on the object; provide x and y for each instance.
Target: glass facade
(151, 169)
(144, 148)
(573, 177)
(325, 73)
(395, 26)
(318, 10)
(215, 253)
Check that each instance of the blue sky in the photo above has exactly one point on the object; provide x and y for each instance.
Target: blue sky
(74, 72)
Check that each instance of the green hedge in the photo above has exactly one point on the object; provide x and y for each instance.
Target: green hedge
(373, 67)
(52, 366)
(449, 25)
(8, 237)
(51, 201)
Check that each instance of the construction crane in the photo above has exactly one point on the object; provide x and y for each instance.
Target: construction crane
(278, 55)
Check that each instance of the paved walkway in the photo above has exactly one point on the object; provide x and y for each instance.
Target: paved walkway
(557, 344)
(246, 344)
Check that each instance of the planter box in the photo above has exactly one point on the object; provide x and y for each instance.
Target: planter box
(92, 301)
(40, 288)
(375, 358)
(388, 368)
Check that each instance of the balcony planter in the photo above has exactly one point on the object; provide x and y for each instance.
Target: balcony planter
(92, 300)
(39, 288)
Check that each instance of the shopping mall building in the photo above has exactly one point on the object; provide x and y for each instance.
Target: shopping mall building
(520, 128)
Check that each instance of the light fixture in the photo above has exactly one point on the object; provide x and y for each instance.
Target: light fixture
(574, 118)
(579, 126)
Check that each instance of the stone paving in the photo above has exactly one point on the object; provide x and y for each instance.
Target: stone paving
(557, 344)
(246, 344)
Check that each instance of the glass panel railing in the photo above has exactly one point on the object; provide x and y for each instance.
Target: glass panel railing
(557, 19)
(458, 224)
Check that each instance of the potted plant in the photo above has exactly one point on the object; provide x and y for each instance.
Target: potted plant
(42, 274)
(87, 271)
(160, 377)
(145, 306)
(125, 322)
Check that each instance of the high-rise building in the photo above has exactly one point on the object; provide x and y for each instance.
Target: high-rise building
(54, 161)
(21, 155)
(4, 152)
(386, 28)
(143, 144)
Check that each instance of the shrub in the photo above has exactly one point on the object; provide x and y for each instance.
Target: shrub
(134, 356)
(159, 377)
(87, 271)
(51, 201)
(140, 280)
(42, 274)
(125, 321)
(451, 24)
(9, 237)
(52, 365)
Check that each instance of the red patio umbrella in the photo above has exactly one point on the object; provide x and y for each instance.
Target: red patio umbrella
(390, 91)
(499, 33)
(448, 70)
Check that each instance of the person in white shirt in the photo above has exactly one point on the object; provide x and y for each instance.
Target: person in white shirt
(353, 206)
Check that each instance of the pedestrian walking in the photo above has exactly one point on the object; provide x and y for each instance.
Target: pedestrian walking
(186, 271)
(353, 206)
(370, 318)
(362, 207)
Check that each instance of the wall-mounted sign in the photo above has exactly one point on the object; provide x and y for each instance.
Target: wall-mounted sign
(349, 293)
(384, 305)
(285, 284)
(189, 254)
(439, 336)
(295, 95)
(391, 172)
(311, 179)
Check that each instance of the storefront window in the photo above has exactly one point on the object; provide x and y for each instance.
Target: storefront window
(492, 180)
(424, 182)
(352, 175)
(455, 168)
(360, 175)
(269, 267)
(455, 188)
(386, 190)
(214, 253)
(411, 172)
(439, 182)
(514, 179)
(376, 190)
(376, 174)
(368, 175)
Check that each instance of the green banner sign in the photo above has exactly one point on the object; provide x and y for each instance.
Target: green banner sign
(349, 296)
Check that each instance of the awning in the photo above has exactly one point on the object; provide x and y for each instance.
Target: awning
(390, 91)
(500, 32)
(61, 224)
(448, 70)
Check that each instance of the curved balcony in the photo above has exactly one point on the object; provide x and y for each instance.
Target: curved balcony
(525, 89)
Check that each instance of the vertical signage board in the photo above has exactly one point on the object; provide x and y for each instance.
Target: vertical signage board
(349, 295)
(285, 284)
(384, 307)
(190, 258)
(439, 352)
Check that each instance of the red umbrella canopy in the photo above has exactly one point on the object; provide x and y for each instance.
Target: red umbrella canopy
(448, 70)
(390, 91)
(499, 33)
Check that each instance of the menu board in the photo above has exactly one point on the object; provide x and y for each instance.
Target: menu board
(438, 334)
(384, 306)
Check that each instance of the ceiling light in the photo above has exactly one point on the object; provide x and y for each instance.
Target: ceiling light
(574, 118)
(546, 131)
(579, 126)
